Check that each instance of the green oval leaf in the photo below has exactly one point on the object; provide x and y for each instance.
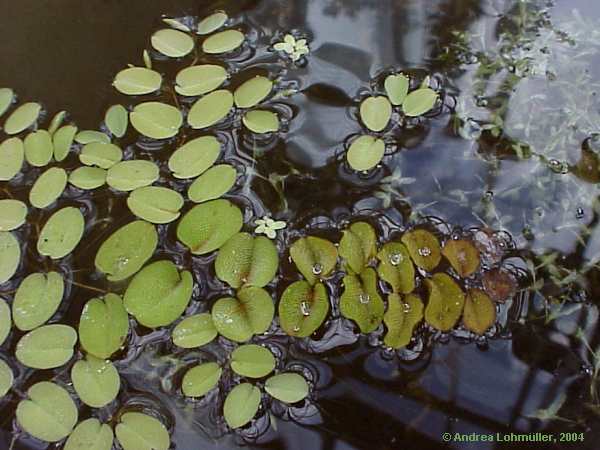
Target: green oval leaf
(5, 320)
(90, 435)
(424, 248)
(419, 102)
(396, 87)
(158, 294)
(480, 313)
(89, 136)
(22, 118)
(401, 318)
(48, 187)
(207, 226)
(201, 379)
(7, 97)
(199, 80)
(194, 157)
(462, 255)
(12, 155)
(156, 120)
(194, 331)
(12, 214)
(138, 431)
(39, 148)
(303, 308)
(103, 326)
(314, 257)
(6, 378)
(238, 319)
(210, 109)
(172, 43)
(361, 302)
(155, 204)
(37, 299)
(287, 387)
(223, 42)
(247, 261)
(375, 112)
(137, 81)
(446, 301)
(212, 184)
(127, 250)
(365, 152)
(212, 23)
(96, 381)
(49, 413)
(61, 233)
(132, 174)
(396, 268)
(88, 177)
(241, 405)
(261, 121)
(116, 120)
(252, 361)
(62, 141)
(252, 92)
(46, 347)
(10, 257)
(358, 246)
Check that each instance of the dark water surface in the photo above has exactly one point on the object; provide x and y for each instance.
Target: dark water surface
(532, 65)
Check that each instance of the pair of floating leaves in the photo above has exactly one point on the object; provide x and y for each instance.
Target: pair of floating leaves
(424, 248)
(194, 157)
(10, 256)
(223, 42)
(172, 43)
(103, 326)
(245, 260)
(155, 204)
(361, 302)
(88, 177)
(200, 379)
(396, 268)
(158, 294)
(12, 214)
(358, 246)
(132, 174)
(401, 318)
(12, 155)
(37, 299)
(48, 187)
(252, 92)
(48, 413)
(61, 233)
(210, 109)
(96, 381)
(137, 81)
(90, 434)
(303, 308)
(250, 312)
(314, 257)
(156, 120)
(199, 80)
(375, 112)
(194, 331)
(46, 347)
(126, 250)
(138, 431)
(38, 148)
(365, 152)
(213, 183)
(261, 121)
(100, 154)
(462, 255)
(446, 302)
(22, 118)
(207, 226)
(252, 361)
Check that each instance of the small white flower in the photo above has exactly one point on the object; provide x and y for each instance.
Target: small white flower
(268, 226)
(294, 48)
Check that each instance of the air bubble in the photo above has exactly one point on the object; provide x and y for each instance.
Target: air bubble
(317, 269)
(364, 298)
(395, 259)
(305, 308)
(579, 213)
(424, 251)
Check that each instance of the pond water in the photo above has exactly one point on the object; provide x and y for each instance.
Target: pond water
(512, 147)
